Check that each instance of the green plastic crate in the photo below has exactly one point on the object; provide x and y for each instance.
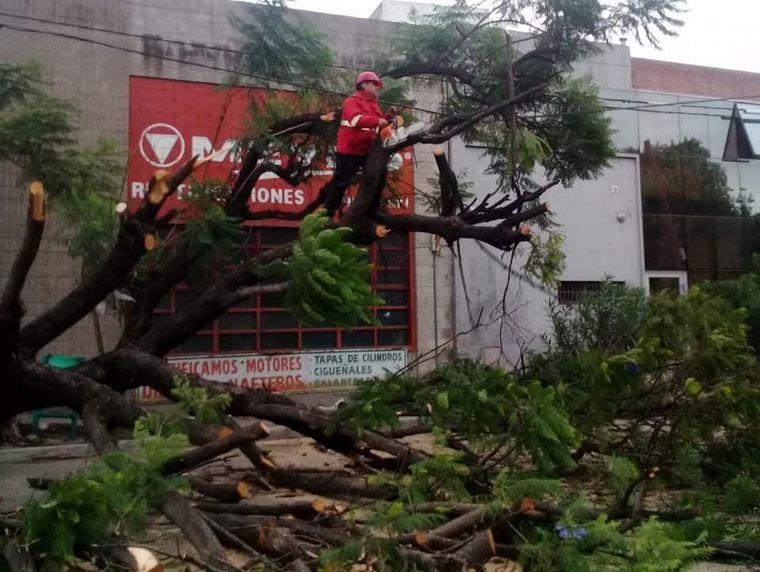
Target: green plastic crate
(60, 362)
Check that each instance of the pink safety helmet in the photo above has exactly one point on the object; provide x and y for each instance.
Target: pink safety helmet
(368, 76)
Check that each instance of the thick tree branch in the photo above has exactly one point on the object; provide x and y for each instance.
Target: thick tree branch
(11, 307)
(177, 509)
(267, 506)
(194, 457)
(224, 492)
(129, 248)
(451, 199)
(331, 484)
(94, 419)
(249, 291)
(127, 369)
(452, 126)
(17, 557)
(34, 386)
(452, 229)
(208, 305)
(149, 292)
(507, 219)
(485, 212)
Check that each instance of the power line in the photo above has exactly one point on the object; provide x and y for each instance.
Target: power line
(640, 104)
(645, 107)
(144, 37)
(195, 64)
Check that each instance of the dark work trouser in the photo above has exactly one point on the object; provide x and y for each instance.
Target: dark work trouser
(346, 167)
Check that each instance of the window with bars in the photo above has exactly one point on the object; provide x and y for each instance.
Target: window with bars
(262, 324)
(573, 291)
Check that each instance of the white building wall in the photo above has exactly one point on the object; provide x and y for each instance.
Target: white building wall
(601, 223)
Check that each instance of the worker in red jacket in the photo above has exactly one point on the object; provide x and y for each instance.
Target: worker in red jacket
(361, 121)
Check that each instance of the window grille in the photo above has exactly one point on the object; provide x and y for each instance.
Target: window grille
(262, 324)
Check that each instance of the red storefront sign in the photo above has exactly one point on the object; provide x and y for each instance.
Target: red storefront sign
(171, 121)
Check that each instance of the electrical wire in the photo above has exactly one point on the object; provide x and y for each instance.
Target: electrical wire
(642, 107)
(144, 36)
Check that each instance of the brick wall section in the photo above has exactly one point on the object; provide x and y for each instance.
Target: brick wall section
(684, 79)
(95, 79)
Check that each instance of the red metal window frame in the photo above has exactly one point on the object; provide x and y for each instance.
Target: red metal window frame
(391, 258)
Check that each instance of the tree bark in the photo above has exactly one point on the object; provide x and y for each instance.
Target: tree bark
(225, 492)
(331, 484)
(461, 524)
(500, 236)
(11, 308)
(209, 305)
(18, 559)
(479, 549)
(302, 419)
(328, 536)
(129, 248)
(235, 541)
(267, 507)
(747, 549)
(263, 534)
(178, 510)
(195, 457)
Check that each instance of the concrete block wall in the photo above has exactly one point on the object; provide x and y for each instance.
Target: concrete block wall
(95, 78)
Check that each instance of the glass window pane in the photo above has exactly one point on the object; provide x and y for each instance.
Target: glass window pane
(394, 240)
(384, 276)
(314, 340)
(700, 242)
(679, 179)
(392, 257)
(662, 242)
(277, 320)
(752, 241)
(393, 317)
(196, 344)
(276, 300)
(237, 343)
(394, 297)
(730, 237)
(748, 185)
(393, 338)
(661, 284)
(355, 339)
(238, 321)
(281, 341)
(753, 132)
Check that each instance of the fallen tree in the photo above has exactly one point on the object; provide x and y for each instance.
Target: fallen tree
(521, 106)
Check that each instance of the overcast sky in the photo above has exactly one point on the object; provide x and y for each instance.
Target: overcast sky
(719, 33)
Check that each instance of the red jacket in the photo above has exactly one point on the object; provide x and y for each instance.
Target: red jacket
(360, 119)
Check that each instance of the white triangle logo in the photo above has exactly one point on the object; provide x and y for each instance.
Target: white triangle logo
(162, 144)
